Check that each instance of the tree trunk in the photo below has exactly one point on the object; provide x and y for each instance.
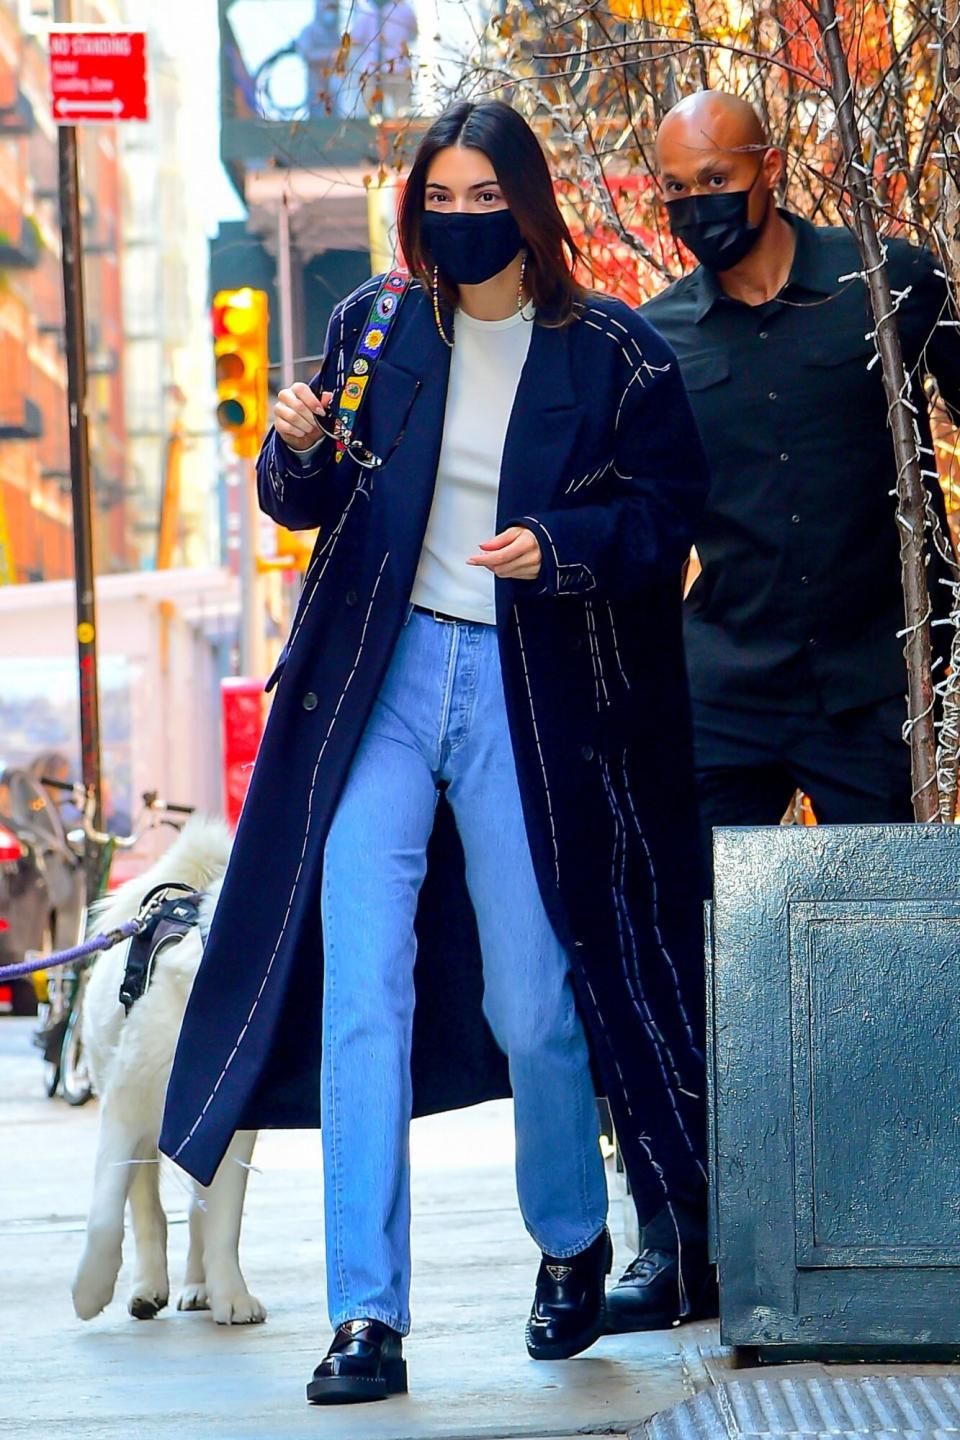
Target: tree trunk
(910, 486)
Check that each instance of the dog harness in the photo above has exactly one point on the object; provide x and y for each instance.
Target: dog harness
(169, 912)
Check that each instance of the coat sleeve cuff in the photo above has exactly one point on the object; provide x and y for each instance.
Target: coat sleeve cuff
(306, 462)
(557, 577)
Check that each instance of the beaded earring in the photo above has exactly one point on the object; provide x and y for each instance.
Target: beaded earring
(436, 309)
(523, 276)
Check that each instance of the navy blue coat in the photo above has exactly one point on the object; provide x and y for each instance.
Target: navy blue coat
(603, 462)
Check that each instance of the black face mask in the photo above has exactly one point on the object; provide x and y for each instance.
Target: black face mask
(716, 227)
(469, 249)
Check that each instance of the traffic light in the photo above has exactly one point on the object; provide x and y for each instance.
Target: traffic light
(240, 344)
(294, 549)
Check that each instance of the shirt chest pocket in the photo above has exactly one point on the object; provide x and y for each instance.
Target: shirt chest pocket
(705, 371)
(832, 350)
(837, 386)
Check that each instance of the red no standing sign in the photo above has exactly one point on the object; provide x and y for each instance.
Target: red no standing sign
(97, 75)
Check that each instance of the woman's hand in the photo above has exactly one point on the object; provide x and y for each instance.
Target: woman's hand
(514, 554)
(296, 414)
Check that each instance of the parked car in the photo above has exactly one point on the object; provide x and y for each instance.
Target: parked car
(41, 882)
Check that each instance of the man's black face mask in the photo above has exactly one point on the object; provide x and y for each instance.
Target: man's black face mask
(716, 227)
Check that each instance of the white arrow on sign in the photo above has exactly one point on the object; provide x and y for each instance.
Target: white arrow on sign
(102, 107)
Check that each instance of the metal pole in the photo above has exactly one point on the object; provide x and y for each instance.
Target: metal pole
(75, 334)
(251, 597)
(285, 293)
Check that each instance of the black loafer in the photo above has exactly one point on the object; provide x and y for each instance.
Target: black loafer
(365, 1362)
(649, 1296)
(568, 1305)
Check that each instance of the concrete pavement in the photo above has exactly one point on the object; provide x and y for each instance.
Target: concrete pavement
(181, 1376)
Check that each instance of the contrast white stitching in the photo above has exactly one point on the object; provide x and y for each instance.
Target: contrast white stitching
(616, 647)
(658, 1041)
(536, 736)
(331, 542)
(587, 480)
(296, 880)
(595, 641)
(655, 906)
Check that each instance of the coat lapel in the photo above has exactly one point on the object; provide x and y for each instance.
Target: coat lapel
(408, 398)
(543, 427)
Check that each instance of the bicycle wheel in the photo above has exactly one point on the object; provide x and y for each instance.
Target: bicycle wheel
(49, 1040)
(74, 1073)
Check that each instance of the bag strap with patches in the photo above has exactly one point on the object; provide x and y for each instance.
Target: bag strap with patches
(373, 339)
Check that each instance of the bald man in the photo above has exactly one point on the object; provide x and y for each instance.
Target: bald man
(796, 668)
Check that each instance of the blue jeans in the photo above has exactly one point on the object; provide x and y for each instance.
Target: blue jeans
(440, 716)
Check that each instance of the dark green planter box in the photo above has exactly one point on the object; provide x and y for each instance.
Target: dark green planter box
(834, 991)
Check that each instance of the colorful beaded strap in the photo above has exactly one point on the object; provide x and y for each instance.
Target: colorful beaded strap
(373, 338)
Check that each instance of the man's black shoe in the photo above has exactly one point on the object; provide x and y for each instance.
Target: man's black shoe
(649, 1295)
(365, 1362)
(568, 1305)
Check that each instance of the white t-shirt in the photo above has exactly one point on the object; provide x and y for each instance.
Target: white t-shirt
(485, 366)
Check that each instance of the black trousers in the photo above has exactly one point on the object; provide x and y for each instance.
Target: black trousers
(854, 766)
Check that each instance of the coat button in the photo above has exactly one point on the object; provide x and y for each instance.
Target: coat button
(351, 597)
(310, 701)
(587, 752)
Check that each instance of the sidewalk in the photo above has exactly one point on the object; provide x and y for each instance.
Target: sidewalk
(181, 1376)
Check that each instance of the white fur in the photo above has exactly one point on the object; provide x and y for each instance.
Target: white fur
(130, 1059)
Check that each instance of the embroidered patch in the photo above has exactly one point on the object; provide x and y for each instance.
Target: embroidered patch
(371, 342)
(361, 367)
(353, 392)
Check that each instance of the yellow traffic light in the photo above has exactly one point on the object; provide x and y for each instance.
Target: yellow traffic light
(240, 319)
(294, 549)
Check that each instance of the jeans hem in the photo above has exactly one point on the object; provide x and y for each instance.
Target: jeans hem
(372, 1312)
(568, 1253)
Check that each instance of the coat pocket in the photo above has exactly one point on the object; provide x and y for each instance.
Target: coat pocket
(383, 420)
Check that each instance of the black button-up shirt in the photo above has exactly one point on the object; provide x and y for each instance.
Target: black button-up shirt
(800, 600)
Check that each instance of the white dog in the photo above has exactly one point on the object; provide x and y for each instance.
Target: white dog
(130, 1058)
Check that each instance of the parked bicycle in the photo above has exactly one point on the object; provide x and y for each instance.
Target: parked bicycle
(59, 1034)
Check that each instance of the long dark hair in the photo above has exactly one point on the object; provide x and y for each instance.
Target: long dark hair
(514, 151)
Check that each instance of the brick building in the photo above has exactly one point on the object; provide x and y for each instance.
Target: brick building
(35, 526)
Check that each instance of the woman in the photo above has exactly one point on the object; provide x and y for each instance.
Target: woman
(489, 625)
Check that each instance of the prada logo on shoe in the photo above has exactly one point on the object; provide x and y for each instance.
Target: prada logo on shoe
(559, 1272)
(355, 1327)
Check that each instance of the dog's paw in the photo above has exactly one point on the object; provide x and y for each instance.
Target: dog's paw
(193, 1297)
(241, 1308)
(146, 1302)
(92, 1290)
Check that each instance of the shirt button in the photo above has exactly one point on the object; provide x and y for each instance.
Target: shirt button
(763, 334)
(804, 579)
(812, 644)
(351, 597)
(773, 395)
(310, 701)
(784, 456)
(587, 752)
(794, 519)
